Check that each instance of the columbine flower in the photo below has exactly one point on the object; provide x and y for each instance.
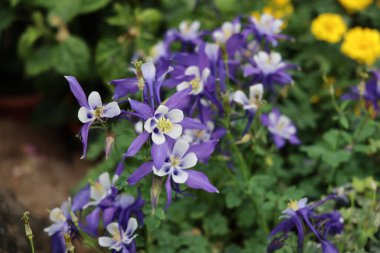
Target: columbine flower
(300, 218)
(328, 27)
(101, 189)
(60, 217)
(369, 90)
(268, 28)
(199, 81)
(120, 240)
(149, 78)
(268, 63)
(281, 128)
(158, 51)
(179, 158)
(199, 136)
(91, 109)
(226, 31)
(255, 97)
(269, 69)
(189, 31)
(362, 45)
(164, 122)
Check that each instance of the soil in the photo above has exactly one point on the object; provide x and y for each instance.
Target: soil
(38, 168)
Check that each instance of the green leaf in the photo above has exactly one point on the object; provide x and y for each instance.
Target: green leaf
(233, 199)
(39, 61)
(335, 158)
(344, 122)
(216, 224)
(72, 57)
(27, 39)
(111, 59)
(87, 6)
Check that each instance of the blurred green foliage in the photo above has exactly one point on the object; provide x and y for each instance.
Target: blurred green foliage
(95, 40)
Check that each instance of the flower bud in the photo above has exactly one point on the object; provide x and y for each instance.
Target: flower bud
(110, 141)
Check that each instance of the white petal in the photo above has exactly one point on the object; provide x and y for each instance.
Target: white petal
(111, 110)
(148, 125)
(256, 91)
(205, 74)
(193, 70)
(54, 228)
(163, 171)
(219, 37)
(175, 132)
(302, 202)
(132, 226)
(240, 98)
(175, 115)
(195, 26)
(189, 161)
(272, 118)
(212, 51)
(162, 109)
(139, 127)
(275, 58)
(149, 71)
(85, 115)
(158, 138)
(56, 215)
(106, 241)
(113, 228)
(180, 148)
(183, 86)
(179, 176)
(105, 180)
(94, 100)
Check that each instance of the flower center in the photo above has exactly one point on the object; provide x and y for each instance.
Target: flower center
(98, 112)
(60, 216)
(99, 188)
(116, 235)
(175, 161)
(195, 84)
(293, 204)
(164, 125)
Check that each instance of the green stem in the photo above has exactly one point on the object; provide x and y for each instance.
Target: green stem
(262, 217)
(31, 243)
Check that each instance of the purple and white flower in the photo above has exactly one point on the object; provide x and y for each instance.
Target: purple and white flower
(189, 31)
(267, 28)
(281, 128)
(164, 122)
(101, 189)
(120, 240)
(197, 84)
(96, 110)
(255, 97)
(226, 31)
(177, 162)
(91, 109)
(268, 63)
(300, 218)
(179, 158)
(60, 216)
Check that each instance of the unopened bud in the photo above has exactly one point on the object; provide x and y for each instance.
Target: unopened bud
(155, 192)
(140, 77)
(110, 141)
(28, 229)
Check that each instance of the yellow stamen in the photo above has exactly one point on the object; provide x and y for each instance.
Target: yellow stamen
(195, 84)
(98, 112)
(175, 161)
(164, 125)
(293, 204)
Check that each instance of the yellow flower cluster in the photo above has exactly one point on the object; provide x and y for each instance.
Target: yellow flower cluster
(277, 8)
(328, 27)
(362, 45)
(355, 5)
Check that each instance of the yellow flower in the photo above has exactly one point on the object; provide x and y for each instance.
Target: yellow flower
(355, 5)
(362, 45)
(328, 27)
